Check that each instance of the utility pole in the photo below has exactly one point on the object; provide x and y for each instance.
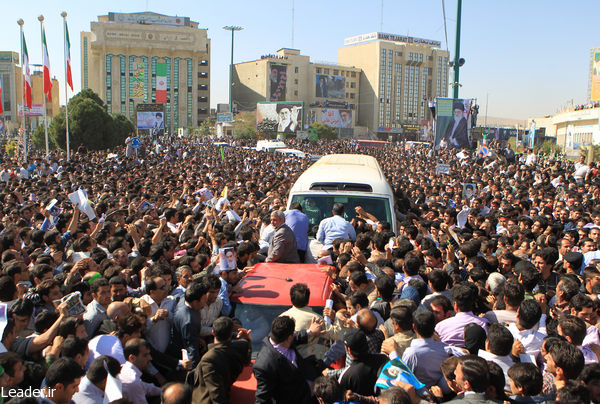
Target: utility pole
(231, 28)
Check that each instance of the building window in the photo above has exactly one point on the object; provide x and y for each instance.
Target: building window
(295, 92)
(189, 90)
(202, 75)
(108, 80)
(204, 63)
(296, 69)
(353, 74)
(325, 71)
(85, 62)
(176, 62)
(352, 84)
(336, 72)
(202, 87)
(295, 81)
(202, 99)
(352, 96)
(318, 70)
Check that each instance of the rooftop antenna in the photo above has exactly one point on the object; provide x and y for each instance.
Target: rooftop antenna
(293, 9)
(381, 22)
(445, 28)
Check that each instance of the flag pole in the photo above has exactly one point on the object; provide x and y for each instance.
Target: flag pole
(41, 20)
(64, 16)
(21, 22)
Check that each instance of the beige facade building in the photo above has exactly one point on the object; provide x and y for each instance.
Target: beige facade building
(329, 91)
(12, 94)
(37, 96)
(594, 76)
(573, 129)
(122, 54)
(398, 75)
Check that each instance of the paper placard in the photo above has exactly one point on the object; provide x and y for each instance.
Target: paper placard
(442, 169)
(79, 199)
(74, 304)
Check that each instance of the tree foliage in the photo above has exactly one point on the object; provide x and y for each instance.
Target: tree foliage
(89, 125)
(324, 131)
(205, 130)
(549, 147)
(244, 125)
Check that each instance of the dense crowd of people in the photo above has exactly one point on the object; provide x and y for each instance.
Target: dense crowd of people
(120, 268)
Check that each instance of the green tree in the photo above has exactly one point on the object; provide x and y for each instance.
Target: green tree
(38, 139)
(590, 152)
(89, 125)
(87, 93)
(122, 127)
(11, 147)
(549, 147)
(244, 125)
(324, 131)
(205, 130)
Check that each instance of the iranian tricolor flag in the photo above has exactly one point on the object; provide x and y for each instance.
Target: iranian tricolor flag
(68, 57)
(26, 75)
(47, 80)
(1, 109)
(161, 82)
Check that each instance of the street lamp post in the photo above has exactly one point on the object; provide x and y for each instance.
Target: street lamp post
(231, 28)
(457, 62)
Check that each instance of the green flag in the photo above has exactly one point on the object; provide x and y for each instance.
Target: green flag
(222, 154)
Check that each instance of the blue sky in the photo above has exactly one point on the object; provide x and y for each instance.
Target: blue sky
(530, 56)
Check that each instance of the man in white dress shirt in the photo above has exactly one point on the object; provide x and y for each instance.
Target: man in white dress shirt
(137, 354)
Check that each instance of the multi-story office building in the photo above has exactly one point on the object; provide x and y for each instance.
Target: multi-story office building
(142, 58)
(594, 76)
(12, 94)
(10, 74)
(399, 74)
(329, 91)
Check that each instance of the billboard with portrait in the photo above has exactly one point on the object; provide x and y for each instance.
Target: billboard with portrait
(281, 117)
(453, 123)
(595, 85)
(150, 118)
(330, 86)
(278, 81)
(336, 118)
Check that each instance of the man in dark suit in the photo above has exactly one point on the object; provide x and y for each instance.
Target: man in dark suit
(283, 246)
(473, 378)
(185, 333)
(282, 375)
(456, 131)
(222, 364)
